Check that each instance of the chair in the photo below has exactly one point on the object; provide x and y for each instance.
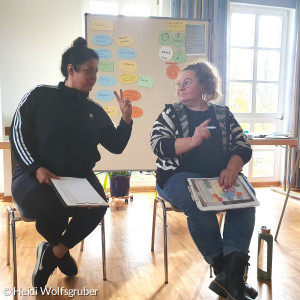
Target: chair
(17, 213)
(167, 206)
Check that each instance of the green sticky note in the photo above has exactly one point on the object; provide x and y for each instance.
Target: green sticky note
(106, 66)
(145, 81)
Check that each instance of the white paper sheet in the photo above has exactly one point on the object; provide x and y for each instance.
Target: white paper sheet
(77, 192)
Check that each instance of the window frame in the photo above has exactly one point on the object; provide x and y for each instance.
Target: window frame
(283, 86)
(153, 3)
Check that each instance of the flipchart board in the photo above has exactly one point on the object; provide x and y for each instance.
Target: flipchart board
(142, 56)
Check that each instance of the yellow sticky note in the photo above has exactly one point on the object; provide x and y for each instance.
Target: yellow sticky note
(102, 25)
(128, 65)
(125, 40)
(128, 78)
(177, 25)
(112, 111)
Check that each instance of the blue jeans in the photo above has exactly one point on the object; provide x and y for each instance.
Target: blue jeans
(203, 225)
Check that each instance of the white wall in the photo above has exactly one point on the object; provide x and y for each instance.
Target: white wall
(33, 36)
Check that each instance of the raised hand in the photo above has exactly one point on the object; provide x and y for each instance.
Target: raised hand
(201, 133)
(125, 106)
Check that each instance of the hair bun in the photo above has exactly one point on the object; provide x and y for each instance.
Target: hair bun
(79, 42)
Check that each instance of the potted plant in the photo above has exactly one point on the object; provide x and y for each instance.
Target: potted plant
(119, 183)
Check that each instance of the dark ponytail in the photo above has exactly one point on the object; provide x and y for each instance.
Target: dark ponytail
(76, 55)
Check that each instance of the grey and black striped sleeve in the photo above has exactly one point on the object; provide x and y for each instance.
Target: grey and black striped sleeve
(239, 142)
(163, 136)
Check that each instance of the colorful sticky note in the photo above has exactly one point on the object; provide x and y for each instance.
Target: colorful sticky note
(112, 111)
(105, 95)
(136, 112)
(107, 80)
(165, 38)
(177, 25)
(102, 40)
(172, 71)
(179, 56)
(126, 53)
(106, 66)
(166, 53)
(178, 39)
(128, 78)
(103, 53)
(125, 40)
(132, 95)
(128, 65)
(146, 81)
(102, 25)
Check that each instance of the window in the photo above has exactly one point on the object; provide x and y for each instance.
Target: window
(143, 8)
(258, 47)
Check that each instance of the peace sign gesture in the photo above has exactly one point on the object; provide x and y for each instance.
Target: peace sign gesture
(125, 106)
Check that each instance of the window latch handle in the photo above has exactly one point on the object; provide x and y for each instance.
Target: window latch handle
(281, 118)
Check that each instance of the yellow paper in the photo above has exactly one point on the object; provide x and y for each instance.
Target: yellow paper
(128, 78)
(112, 111)
(177, 25)
(125, 40)
(128, 65)
(102, 25)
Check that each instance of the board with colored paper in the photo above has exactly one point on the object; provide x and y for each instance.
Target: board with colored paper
(142, 56)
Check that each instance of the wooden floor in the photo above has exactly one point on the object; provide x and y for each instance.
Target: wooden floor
(134, 272)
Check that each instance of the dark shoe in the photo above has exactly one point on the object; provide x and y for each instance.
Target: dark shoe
(229, 282)
(46, 263)
(67, 265)
(217, 267)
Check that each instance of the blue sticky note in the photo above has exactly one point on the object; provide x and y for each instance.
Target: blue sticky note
(105, 95)
(102, 40)
(107, 80)
(126, 53)
(103, 53)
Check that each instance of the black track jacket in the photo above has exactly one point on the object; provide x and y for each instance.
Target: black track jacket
(59, 128)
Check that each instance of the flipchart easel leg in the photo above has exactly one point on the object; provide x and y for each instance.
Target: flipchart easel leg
(289, 190)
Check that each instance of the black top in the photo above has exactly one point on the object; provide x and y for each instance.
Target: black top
(59, 128)
(207, 158)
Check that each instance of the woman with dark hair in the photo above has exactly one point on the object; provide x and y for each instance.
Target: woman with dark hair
(195, 138)
(55, 132)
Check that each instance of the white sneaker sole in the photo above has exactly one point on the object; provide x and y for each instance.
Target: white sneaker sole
(38, 261)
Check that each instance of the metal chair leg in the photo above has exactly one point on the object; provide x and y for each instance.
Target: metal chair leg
(153, 224)
(165, 242)
(165, 233)
(8, 237)
(12, 219)
(81, 245)
(103, 249)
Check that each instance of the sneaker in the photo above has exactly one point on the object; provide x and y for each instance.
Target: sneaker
(67, 265)
(46, 263)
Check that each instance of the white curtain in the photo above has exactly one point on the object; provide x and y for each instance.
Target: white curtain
(214, 11)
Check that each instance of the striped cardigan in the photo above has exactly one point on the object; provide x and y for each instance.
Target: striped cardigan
(172, 123)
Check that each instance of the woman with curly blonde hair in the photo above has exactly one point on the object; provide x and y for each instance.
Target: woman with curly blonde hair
(195, 138)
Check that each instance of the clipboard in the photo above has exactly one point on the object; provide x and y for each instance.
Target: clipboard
(210, 196)
(76, 192)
